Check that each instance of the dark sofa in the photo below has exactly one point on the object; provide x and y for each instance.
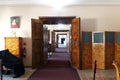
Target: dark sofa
(12, 62)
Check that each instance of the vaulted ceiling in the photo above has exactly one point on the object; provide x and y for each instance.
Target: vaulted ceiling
(56, 2)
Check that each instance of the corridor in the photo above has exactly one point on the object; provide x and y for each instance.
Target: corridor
(58, 68)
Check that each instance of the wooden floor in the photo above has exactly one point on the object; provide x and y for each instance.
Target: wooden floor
(100, 74)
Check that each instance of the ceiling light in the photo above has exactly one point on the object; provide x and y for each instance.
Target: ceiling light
(57, 3)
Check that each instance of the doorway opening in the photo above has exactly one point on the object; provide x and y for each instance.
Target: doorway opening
(40, 39)
(62, 41)
(59, 36)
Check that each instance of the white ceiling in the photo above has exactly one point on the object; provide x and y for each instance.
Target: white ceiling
(56, 2)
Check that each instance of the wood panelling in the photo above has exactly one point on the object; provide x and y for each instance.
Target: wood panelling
(104, 50)
(86, 55)
(109, 49)
(98, 54)
(109, 55)
(117, 52)
(117, 47)
(86, 50)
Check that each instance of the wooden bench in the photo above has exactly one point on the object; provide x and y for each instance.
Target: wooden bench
(115, 63)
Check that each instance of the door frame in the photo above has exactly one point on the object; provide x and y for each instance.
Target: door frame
(56, 20)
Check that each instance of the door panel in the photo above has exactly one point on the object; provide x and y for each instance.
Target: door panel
(37, 44)
(57, 38)
(53, 41)
(75, 51)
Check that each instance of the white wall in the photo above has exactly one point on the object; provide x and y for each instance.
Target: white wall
(93, 18)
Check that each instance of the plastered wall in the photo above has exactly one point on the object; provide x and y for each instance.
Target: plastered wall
(93, 18)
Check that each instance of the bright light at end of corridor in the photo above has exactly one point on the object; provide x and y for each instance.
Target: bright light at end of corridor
(61, 26)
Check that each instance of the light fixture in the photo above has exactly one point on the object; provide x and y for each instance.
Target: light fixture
(57, 3)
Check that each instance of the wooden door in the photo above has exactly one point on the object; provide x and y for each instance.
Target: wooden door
(75, 48)
(48, 35)
(57, 39)
(37, 43)
(45, 44)
(53, 41)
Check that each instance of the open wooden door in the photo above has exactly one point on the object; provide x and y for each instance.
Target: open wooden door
(37, 44)
(53, 41)
(57, 39)
(75, 41)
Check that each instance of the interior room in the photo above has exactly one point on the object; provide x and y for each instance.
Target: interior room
(26, 25)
